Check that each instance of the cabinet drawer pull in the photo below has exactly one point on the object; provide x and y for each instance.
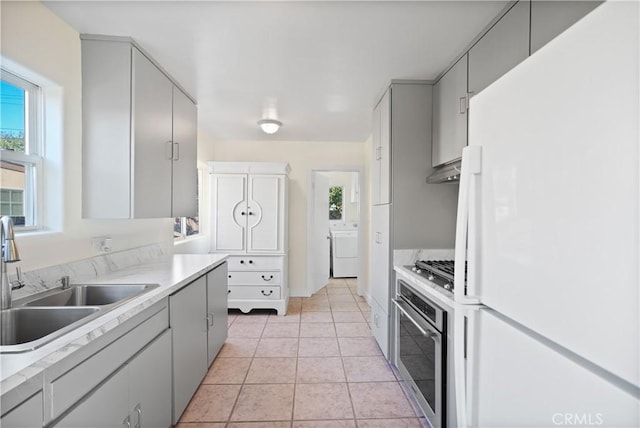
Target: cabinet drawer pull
(270, 277)
(265, 294)
(241, 262)
(463, 105)
(176, 151)
(250, 262)
(168, 152)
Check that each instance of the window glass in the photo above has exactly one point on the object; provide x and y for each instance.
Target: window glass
(336, 202)
(20, 160)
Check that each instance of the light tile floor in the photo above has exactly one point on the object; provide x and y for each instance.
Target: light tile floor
(317, 367)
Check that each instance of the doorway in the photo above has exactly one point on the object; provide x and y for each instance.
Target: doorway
(334, 247)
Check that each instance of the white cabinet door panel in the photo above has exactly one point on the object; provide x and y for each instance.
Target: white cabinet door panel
(28, 414)
(380, 327)
(152, 123)
(228, 202)
(185, 171)
(265, 218)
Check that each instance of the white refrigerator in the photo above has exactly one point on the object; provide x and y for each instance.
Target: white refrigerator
(548, 328)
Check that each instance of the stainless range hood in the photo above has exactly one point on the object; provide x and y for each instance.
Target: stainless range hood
(449, 173)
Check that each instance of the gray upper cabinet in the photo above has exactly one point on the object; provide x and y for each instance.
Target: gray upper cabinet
(504, 46)
(381, 160)
(449, 130)
(550, 18)
(139, 135)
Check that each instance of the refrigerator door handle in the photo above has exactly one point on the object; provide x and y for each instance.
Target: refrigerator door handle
(471, 165)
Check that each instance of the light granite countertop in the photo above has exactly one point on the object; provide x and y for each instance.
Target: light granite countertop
(171, 272)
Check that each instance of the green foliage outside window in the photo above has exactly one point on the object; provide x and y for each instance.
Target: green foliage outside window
(335, 203)
(12, 141)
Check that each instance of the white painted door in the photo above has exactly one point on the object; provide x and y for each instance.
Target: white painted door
(265, 216)
(319, 261)
(228, 202)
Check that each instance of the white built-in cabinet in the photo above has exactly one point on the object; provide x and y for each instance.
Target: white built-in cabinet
(139, 135)
(198, 319)
(500, 49)
(550, 18)
(449, 132)
(381, 158)
(249, 222)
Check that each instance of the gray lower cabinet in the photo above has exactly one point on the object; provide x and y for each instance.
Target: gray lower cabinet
(198, 319)
(138, 394)
(217, 312)
(504, 46)
(551, 18)
(188, 308)
(28, 414)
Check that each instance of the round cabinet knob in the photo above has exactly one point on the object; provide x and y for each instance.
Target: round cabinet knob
(241, 262)
(243, 213)
(250, 262)
(229, 276)
(448, 286)
(228, 291)
(250, 212)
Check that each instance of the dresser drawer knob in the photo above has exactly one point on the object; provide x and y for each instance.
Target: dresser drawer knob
(228, 291)
(229, 276)
(267, 279)
(250, 262)
(266, 294)
(241, 262)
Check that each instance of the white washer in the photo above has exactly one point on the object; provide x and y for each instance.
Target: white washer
(344, 253)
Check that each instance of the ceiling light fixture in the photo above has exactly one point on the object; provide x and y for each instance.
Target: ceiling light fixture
(270, 126)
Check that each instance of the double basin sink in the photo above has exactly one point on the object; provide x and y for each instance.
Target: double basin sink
(39, 319)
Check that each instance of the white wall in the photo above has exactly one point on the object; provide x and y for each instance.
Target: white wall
(303, 156)
(37, 44)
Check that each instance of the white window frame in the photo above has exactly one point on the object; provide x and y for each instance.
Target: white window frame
(32, 158)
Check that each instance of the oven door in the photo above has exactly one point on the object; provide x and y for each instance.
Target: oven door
(420, 357)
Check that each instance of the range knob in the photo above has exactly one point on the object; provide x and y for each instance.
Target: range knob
(431, 277)
(415, 269)
(418, 271)
(448, 286)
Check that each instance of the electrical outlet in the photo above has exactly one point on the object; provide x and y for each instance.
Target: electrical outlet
(102, 244)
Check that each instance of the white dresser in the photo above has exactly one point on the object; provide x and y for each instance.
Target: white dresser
(249, 222)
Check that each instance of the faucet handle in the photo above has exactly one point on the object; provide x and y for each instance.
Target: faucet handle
(18, 282)
(65, 281)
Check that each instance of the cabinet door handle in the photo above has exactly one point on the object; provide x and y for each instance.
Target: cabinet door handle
(176, 151)
(127, 422)
(210, 319)
(378, 238)
(378, 152)
(265, 294)
(138, 409)
(270, 277)
(463, 105)
(168, 152)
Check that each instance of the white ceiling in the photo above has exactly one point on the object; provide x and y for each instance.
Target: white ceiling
(321, 65)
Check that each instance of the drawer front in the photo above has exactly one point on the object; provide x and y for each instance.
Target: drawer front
(265, 278)
(255, 293)
(244, 263)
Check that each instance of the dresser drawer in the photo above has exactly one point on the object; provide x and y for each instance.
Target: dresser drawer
(264, 293)
(266, 278)
(254, 263)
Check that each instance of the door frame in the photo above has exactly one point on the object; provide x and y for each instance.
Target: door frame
(363, 221)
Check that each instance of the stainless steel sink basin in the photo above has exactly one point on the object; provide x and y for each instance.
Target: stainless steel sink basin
(39, 319)
(30, 326)
(91, 295)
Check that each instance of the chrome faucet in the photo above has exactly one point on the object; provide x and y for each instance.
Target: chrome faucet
(9, 255)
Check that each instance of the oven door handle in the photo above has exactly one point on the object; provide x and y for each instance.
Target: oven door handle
(404, 311)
